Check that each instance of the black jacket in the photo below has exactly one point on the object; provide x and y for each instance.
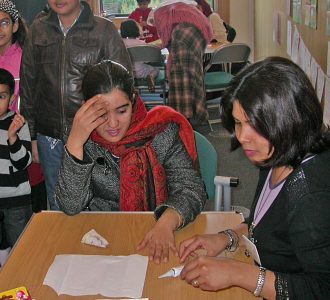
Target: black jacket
(53, 66)
(293, 237)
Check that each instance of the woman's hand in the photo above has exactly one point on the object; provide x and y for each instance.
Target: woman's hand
(16, 124)
(160, 238)
(210, 273)
(91, 115)
(212, 243)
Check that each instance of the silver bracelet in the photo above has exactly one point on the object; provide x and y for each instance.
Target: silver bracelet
(260, 282)
(233, 239)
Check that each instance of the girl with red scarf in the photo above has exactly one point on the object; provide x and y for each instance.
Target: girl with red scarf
(119, 157)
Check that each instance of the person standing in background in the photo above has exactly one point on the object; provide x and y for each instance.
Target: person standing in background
(14, 30)
(185, 31)
(140, 15)
(57, 53)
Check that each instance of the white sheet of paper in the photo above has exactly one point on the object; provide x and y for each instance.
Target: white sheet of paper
(314, 68)
(289, 37)
(320, 83)
(110, 276)
(326, 114)
(295, 44)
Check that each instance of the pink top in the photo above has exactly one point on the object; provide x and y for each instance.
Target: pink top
(11, 61)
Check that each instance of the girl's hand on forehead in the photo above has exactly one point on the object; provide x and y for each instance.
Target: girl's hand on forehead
(92, 114)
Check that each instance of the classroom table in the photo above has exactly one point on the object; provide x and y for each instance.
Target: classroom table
(52, 233)
(210, 48)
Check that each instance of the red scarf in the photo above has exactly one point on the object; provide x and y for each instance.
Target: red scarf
(143, 183)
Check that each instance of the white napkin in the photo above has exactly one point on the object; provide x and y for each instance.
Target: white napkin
(174, 272)
(110, 276)
(95, 239)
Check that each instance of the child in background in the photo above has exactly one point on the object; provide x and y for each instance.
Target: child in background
(15, 156)
(140, 15)
(14, 31)
(130, 33)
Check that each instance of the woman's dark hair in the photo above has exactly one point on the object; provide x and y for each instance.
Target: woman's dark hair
(20, 35)
(282, 106)
(7, 78)
(106, 76)
(129, 29)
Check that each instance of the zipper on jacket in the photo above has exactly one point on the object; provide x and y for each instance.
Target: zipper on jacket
(62, 81)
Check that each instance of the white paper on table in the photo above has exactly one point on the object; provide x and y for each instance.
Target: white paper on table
(110, 276)
(95, 239)
(174, 272)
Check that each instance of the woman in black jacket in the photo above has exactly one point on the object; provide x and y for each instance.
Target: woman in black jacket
(272, 111)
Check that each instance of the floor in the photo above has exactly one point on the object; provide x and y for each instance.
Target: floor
(234, 164)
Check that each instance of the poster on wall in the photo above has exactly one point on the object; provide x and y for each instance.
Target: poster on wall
(289, 8)
(296, 11)
(311, 13)
(328, 17)
(328, 60)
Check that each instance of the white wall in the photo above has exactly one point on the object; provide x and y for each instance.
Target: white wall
(242, 19)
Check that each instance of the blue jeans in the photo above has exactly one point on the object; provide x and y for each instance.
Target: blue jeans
(12, 223)
(50, 155)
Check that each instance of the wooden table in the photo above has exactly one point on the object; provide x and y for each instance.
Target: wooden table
(210, 48)
(52, 233)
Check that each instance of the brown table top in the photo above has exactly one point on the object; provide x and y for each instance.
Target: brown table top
(52, 233)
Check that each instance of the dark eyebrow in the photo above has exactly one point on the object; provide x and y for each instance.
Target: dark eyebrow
(122, 106)
(5, 19)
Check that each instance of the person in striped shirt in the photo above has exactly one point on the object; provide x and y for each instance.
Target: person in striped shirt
(15, 157)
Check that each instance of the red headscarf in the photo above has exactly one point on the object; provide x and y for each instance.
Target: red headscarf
(138, 160)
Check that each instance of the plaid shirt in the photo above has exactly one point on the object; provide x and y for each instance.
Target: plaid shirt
(186, 80)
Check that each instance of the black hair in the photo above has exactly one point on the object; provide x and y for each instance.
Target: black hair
(106, 76)
(281, 105)
(20, 35)
(7, 78)
(129, 29)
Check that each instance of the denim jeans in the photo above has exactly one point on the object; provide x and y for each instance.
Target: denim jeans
(50, 155)
(12, 223)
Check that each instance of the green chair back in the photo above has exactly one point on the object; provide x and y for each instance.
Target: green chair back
(208, 161)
